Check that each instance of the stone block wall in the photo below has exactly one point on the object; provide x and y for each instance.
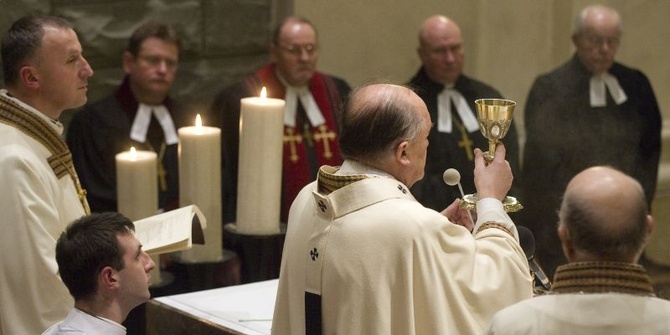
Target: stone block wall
(222, 40)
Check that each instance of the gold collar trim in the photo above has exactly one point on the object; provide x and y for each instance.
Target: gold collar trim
(602, 277)
(329, 182)
(30, 124)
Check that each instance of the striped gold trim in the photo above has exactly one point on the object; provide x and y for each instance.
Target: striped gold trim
(493, 224)
(30, 124)
(601, 277)
(329, 182)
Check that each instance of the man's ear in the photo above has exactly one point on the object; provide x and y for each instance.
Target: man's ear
(128, 60)
(566, 243)
(108, 277)
(401, 153)
(650, 225)
(28, 76)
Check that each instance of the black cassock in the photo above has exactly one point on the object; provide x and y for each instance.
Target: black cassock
(447, 150)
(565, 135)
(102, 129)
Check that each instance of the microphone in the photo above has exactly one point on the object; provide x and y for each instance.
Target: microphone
(527, 242)
(452, 177)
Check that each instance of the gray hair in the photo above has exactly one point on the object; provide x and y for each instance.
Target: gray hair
(580, 20)
(375, 122)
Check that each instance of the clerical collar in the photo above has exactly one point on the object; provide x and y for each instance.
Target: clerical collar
(599, 83)
(331, 178)
(56, 125)
(445, 99)
(293, 94)
(602, 277)
(140, 127)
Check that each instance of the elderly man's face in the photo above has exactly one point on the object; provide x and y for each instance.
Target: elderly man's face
(598, 42)
(296, 54)
(441, 52)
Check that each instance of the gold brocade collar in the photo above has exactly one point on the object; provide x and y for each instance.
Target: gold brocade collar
(602, 277)
(13, 114)
(329, 182)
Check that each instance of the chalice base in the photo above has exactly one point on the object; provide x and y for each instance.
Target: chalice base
(510, 204)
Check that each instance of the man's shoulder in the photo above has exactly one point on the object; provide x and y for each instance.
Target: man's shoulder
(480, 87)
(627, 73)
(239, 89)
(342, 86)
(102, 107)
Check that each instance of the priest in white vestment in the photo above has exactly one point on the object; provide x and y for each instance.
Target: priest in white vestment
(44, 73)
(362, 256)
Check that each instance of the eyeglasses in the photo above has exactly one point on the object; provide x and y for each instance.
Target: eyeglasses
(157, 60)
(598, 41)
(297, 50)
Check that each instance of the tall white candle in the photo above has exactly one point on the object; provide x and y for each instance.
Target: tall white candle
(260, 165)
(200, 184)
(137, 190)
(136, 183)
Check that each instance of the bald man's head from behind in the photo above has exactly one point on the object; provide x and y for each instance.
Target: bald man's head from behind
(604, 217)
(386, 127)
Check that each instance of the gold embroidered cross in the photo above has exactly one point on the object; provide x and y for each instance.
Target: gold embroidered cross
(326, 136)
(292, 138)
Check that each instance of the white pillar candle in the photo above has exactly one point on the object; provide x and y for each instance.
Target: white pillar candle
(260, 165)
(200, 184)
(137, 191)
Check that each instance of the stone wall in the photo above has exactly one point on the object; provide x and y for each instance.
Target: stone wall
(222, 39)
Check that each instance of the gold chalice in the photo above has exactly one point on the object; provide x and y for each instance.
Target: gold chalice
(495, 118)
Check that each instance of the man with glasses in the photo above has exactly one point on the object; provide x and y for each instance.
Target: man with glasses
(313, 106)
(589, 111)
(450, 97)
(140, 113)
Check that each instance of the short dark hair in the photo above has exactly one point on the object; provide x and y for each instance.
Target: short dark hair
(625, 237)
(87, 246)
(276, 31)
(372, 127)
(152, 29)
(21, 41)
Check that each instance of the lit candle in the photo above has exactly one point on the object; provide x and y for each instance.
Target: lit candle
(200, 184)
(136, 183)
(260, 165)
(137, 190)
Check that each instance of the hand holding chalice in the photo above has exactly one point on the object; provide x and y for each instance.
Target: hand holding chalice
(495, 118)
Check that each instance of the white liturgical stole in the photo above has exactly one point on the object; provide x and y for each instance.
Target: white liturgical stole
(293, 94)
(444, 121)
(597, 90)
(138, 131)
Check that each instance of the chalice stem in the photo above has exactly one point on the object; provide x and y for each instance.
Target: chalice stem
(488, 156)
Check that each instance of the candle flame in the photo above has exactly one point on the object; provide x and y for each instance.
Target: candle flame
(198, 121)
(264, 93)
(133, 153)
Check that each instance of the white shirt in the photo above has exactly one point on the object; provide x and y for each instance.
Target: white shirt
(78, 322)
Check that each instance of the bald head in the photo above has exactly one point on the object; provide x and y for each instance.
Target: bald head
(441, 49)
(380, 118)
(604, 215)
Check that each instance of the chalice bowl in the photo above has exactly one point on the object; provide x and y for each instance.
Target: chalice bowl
(495, 118)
